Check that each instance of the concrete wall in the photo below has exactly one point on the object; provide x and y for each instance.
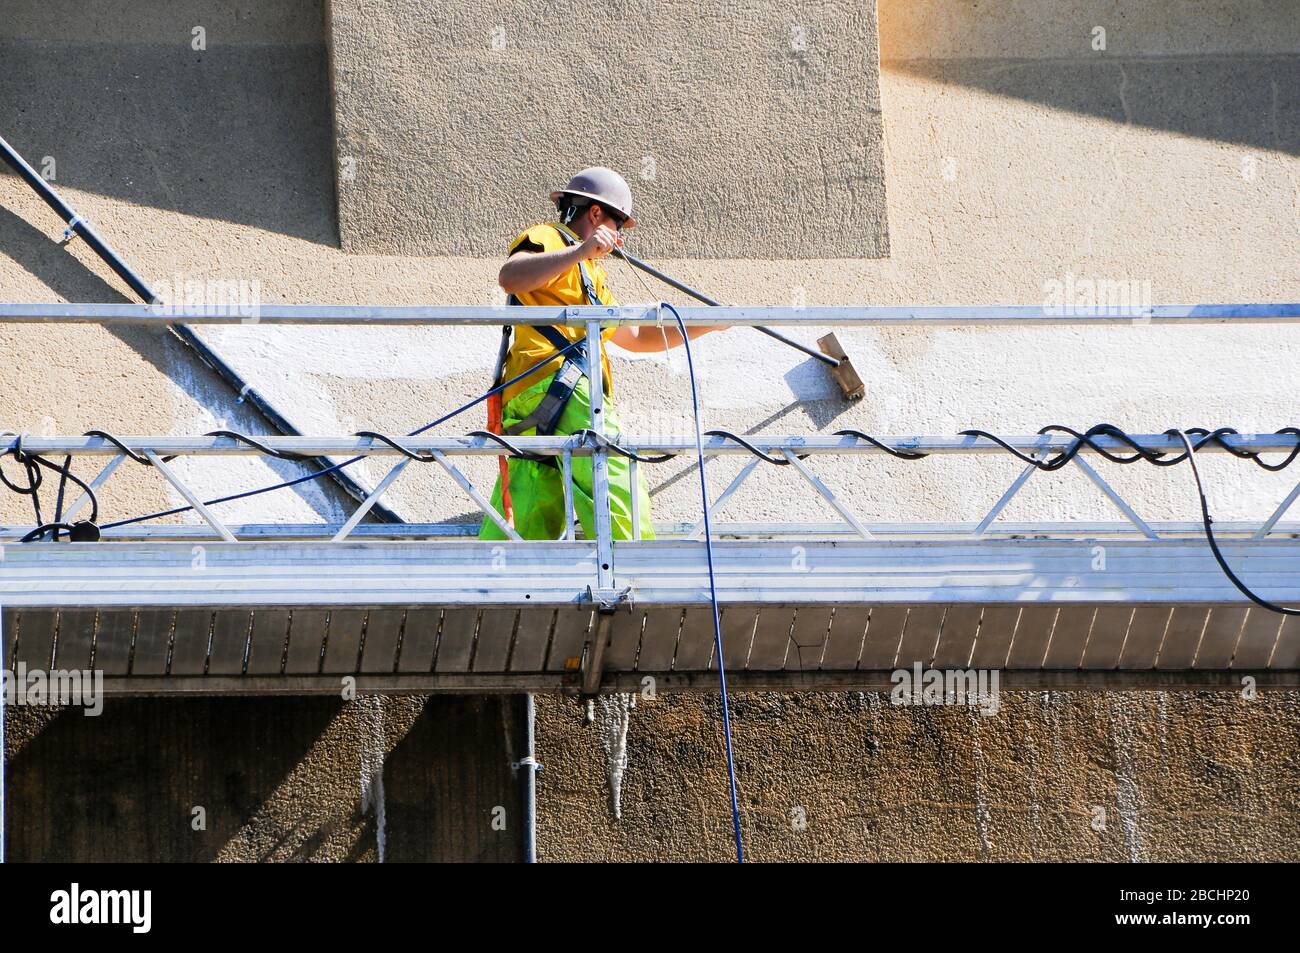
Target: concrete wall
(1170, 157)
(729, 118)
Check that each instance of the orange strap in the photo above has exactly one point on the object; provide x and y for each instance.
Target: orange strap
(494, 411)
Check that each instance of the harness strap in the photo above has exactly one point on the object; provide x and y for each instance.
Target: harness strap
(546, 415)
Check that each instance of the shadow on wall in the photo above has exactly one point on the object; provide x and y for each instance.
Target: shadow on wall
(1166, 66)
(451, 792)
(1247, 101)
(277, 778)
(239, 132)
(123, 786)
(34, 251)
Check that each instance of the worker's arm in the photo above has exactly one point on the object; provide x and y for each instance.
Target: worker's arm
(647, 338)
(526, 271)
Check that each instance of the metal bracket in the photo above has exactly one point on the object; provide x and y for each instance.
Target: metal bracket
(607, 602)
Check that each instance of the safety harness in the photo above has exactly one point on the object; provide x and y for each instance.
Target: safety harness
(546, 415)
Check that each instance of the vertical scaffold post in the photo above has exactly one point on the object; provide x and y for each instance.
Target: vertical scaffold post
(599, 462)
(594, 662)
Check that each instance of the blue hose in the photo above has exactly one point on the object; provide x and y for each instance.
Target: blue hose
(713, 586)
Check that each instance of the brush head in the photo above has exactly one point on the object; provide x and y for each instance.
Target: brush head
(851, 384)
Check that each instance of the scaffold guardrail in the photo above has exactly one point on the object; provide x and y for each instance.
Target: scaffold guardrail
(280, 605)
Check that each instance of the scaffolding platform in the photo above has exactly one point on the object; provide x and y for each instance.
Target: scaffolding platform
(425, 617)
(210, 606)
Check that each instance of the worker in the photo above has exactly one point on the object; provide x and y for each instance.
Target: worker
(559, 264)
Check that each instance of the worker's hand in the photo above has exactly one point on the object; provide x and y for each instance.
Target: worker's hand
(600, 243)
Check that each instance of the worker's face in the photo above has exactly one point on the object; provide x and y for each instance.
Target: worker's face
(598, 217)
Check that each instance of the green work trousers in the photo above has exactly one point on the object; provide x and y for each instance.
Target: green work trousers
(537, 489)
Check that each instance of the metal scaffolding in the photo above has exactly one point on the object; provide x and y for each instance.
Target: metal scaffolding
(217, 606)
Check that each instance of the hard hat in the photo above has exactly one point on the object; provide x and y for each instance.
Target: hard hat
(604, 186)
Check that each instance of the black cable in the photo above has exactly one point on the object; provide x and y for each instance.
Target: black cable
(389, 441)
(256, 444)
(1251, 455)
(32, 472)
(512, 448)
(32, 463)
(1214, 544)
(58, 498)
(139, 458)
(867, 438)
(765, 457)
(604, 441)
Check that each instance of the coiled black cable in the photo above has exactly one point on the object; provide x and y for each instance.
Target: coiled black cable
(1190, 456)
(32, 464)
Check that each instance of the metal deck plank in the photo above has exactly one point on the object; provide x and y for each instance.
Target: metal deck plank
(993, 639)
(1033, 635)
(1106, 641)
(1258, 637)
(153, 635)
(1287, 654)
(659, 640)
(35, 639)
(306, 637)
(76, 639)
(808, 638)
(266, 644)
(1182, 638)
(456, 643)
(190, 642)
(113, 641)
(343, 642)
(771, 639)
(957, 637)
(496, 632)
(532, 639)
(1145, 633)
(570, 635)
(695, 647)
(379, 653)
(419, 640)
(624, 640)
(230, 631)
(737, 636)
(1069, 636)
(871, 642)
(1220, 638)
(9, 632)
(920, 635)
